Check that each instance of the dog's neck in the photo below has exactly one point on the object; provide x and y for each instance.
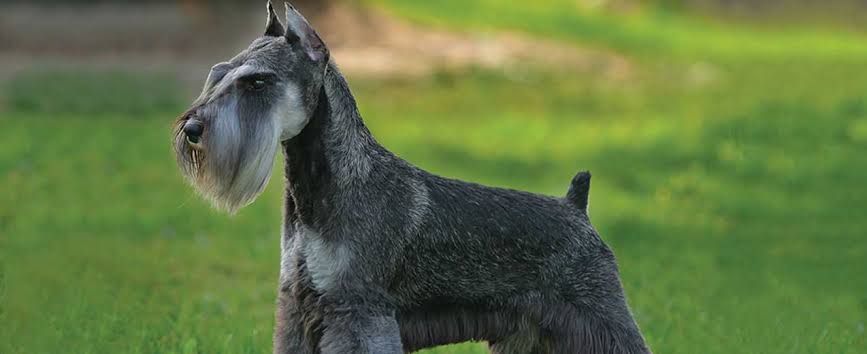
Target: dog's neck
(330, 158)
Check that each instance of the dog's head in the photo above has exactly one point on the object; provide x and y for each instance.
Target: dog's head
(226, 142)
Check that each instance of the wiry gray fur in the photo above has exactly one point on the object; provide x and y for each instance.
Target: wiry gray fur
(379, 256)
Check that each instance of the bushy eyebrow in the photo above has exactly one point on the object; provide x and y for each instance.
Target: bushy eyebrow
(266, 75)
(224, 66)
(243, 71)
(218, 71)
(248, 70)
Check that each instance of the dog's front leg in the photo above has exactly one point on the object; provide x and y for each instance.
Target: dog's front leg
(360, 329)
(289, 334)
(296, 324)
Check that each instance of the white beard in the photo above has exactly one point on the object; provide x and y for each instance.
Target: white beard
(237, 157)
(236, 170)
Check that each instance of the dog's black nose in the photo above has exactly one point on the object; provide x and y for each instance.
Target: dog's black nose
(193, 129)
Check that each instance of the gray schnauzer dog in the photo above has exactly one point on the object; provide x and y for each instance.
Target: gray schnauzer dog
(379, 256)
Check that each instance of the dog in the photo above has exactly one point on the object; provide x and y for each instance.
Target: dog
(377, 255)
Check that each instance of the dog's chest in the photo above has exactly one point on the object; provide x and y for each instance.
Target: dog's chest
(327, 262)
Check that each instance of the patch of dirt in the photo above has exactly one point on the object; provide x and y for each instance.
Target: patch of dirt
(363, 41)
(370, 42)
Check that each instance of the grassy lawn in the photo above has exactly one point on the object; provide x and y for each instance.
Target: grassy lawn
(729, 179)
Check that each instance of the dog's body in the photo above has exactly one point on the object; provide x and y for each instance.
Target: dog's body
(379, 256)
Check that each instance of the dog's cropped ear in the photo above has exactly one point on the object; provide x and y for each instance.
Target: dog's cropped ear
(273, 28)
(298, 30)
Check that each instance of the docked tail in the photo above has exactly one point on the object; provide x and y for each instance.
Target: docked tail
(579, 190)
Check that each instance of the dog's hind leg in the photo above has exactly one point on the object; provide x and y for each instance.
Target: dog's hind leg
(519, 343)
(593, 316)
(522, 338)
(592, 332)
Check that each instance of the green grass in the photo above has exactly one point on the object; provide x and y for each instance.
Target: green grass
(735, 205)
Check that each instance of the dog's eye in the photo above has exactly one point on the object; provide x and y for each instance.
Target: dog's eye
(257, 84)
(254, 83)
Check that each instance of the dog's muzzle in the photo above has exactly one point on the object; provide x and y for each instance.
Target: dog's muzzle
(193, 129)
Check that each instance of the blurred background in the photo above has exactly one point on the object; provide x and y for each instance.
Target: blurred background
(727, 139)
